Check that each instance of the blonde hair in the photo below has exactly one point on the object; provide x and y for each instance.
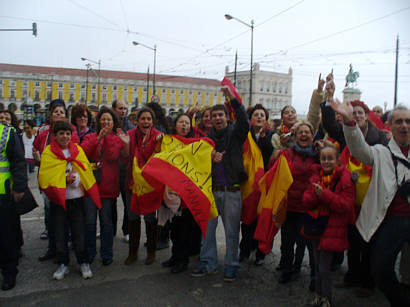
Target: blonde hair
(303, 123)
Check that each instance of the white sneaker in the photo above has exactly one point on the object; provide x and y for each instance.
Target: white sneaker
(127, 238)
(61, 272)
(86, 271)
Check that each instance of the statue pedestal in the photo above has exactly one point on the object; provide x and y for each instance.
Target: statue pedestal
(350, 94)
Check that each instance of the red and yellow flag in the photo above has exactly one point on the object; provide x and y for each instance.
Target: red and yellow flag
(185, 166)
(52, 173)
(250, 192)
(274, 187)
(364, 174)
(146, 193)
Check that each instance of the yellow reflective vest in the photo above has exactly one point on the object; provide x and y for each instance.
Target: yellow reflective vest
(4, 161)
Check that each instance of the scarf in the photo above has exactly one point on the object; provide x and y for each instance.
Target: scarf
(284, 129)
(309, 151)
(220, 138)
(326, 179)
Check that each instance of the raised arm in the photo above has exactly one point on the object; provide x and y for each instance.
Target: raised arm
(353, 135)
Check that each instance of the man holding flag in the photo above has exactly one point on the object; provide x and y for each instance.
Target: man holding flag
(227, 174)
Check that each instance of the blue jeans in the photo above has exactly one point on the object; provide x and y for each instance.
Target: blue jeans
(229, 205)
(106, 227)
(385, 245)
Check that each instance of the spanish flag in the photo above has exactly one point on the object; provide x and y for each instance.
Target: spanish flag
(147, 193)
(183, 164)
(250, 192)
(227, 82)
(363, 174)
(52, 173)
(274, 187)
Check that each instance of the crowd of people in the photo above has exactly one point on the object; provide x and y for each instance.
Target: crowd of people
(350, 189)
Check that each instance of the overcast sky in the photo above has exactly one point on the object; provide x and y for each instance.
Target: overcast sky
(194, 39)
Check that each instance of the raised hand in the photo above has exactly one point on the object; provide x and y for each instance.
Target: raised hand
(125, 138)
(343, 108)
(320, 83)
(227, 92)
(329, 76)
(330, 88)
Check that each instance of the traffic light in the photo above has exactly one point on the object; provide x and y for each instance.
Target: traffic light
(35, 29)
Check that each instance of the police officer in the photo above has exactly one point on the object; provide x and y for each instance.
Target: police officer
(13, 182)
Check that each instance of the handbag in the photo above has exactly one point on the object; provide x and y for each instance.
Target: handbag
(27, 204)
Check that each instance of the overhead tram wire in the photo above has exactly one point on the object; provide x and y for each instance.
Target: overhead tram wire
(341, 31)
(123, 13)
(94, 13)
(240, 34)
(280, 13)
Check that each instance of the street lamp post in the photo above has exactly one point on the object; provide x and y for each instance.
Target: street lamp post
(86, 83)
(155, 60)
(251, 26)
(99, 76)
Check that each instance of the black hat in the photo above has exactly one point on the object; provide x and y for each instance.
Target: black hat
(56, 102)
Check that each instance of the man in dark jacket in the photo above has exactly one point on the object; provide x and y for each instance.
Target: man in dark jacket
(121, 110)
(12, 169)
(227, 173)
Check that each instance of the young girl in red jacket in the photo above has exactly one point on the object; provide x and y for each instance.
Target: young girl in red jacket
(331, 192)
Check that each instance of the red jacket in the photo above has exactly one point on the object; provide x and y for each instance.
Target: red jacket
(144, 152)
(301, 169)
(44, 138)
(111, 147)
(340, 204)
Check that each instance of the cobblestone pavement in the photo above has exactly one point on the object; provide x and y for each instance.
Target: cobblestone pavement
(141, 285)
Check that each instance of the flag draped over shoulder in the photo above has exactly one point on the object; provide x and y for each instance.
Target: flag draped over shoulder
(52, 173)
(250, 192)
(274, 187)
(363, 174)
(185, 166)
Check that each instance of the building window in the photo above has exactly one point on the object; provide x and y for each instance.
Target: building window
(60, 95)
(60, 85)
(286, 90)
(261, 86)
(36, 96)
(71, 98)
(49, 95)
(115, 87)
(163, 90)
(274, 87)
(37, 83)
(268, 86)
(12, 94)
(104, 98)
(94, 87)
(71, 85)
